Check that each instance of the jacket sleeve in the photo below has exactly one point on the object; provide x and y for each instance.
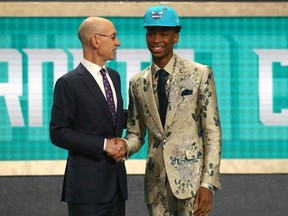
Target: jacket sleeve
(211, 128)
(63, 129)
(136, 130)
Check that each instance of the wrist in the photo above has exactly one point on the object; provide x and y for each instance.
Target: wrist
(209, 187)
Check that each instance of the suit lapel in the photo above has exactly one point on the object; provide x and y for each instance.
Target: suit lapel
(178, 79)
(95, 90)
(147, 85)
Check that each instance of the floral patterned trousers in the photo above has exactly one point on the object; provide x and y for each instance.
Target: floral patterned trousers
(166, 204)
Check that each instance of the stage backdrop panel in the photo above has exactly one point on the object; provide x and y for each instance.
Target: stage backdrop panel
(249, 57)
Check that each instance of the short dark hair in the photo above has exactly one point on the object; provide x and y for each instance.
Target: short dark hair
(177, 29)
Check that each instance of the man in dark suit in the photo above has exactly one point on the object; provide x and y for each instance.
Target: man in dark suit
(87, 117)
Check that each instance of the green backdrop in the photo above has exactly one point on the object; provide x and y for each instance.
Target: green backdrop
(249, 57)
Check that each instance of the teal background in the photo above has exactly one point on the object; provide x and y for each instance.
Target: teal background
(225, 44)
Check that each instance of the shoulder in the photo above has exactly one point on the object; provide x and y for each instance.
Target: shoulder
(110, 70)
(72, 77)
(194, 69)
(189, 64)
(80, 69)
(113, 73)
(142, 74)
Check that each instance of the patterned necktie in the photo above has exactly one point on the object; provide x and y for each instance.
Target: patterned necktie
(109, 95)
(162, 97)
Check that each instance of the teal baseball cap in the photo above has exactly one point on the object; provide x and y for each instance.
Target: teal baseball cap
(161, 15)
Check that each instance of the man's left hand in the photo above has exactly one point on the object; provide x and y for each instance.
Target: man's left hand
(203, 202)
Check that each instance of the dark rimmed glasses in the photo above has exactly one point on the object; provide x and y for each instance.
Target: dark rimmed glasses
(112, 36)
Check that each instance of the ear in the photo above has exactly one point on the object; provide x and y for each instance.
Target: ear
(94, 42)
(176, 38)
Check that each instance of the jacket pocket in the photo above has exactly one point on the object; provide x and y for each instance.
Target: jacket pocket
(186, 92)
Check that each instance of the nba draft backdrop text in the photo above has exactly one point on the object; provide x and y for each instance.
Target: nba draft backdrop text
(248, 52)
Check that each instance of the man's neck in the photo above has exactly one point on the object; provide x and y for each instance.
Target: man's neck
(161, 63)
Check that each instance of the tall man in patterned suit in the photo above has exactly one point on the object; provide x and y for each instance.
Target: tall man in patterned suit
(184, 147)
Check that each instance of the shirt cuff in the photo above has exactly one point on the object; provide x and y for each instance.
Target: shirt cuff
(104, 146)
(208, 186)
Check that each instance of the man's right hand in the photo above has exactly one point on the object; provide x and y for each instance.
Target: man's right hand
(116, 148)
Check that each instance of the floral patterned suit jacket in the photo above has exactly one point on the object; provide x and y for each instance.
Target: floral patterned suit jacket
(188, 149)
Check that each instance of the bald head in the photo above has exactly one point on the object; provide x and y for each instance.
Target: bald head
(98, 38)
(90, 26)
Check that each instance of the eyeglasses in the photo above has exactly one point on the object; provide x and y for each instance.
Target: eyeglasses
(112, 36)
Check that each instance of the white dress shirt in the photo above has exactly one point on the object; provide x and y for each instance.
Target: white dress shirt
(95, 72)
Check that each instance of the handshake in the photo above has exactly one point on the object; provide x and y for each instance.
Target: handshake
(116, 148)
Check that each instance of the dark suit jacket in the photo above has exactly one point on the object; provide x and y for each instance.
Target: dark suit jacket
(80, 121)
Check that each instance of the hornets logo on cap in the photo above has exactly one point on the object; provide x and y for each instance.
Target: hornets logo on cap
(156, 15)
(161, 15)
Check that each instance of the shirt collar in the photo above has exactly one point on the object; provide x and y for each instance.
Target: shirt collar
(169, 67)
(91, 67)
